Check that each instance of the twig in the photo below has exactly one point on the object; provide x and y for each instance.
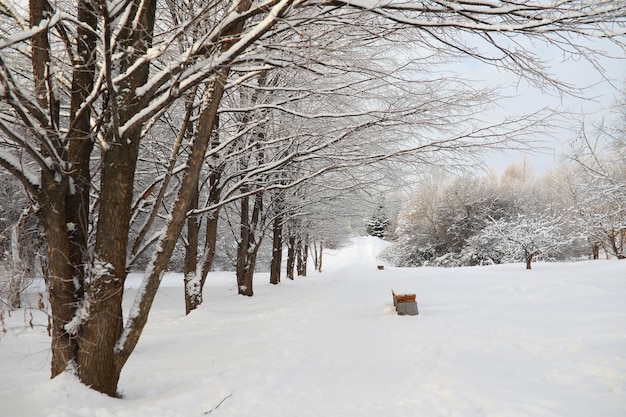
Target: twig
(218, 404)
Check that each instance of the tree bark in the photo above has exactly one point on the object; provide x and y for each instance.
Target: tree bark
(302, 257)
(193, 294)
(104, 291)
(277, 250)
(80, 144)
(212, 218)
(210, 244)
(51, 199)
(40, 52)
(248, 245)
(291, 256)
(64, 347)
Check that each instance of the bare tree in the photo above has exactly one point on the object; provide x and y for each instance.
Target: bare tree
(597, 186)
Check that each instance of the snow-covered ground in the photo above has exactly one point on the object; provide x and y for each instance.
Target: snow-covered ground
(495, 341)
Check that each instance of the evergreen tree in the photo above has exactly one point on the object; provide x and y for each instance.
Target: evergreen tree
(377, 224)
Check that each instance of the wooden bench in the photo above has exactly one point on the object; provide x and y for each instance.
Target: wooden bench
(405, 304)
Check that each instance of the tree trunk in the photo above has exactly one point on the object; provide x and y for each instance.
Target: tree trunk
(277, 250)
(212, 219)
(80, 144)
(249, 270)
(210, 244)
(104, 291)
(317, 256)
(40, 52)
(529, 258)
(595, 250)
(616, 239)
(302, 257)
(320, 259)
(299, 257)
(291, 256)
(243, 247)
(193, 294)
(248, 246)
(64, 212)
(52, 205)
(64, 347)
(102, 323)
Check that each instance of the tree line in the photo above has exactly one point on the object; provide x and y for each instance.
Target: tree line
(577, 210)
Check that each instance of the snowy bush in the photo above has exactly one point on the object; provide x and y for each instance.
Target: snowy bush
(442, 217)
(522, 238)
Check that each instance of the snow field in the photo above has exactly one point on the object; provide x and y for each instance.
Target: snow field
(494, 341)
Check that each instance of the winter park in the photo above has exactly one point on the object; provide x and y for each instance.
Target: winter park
(306, 207)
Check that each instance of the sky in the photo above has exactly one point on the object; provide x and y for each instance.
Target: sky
(598, 97)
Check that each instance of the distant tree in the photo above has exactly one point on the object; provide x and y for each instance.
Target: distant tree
(597, 186)
(442, 217)
(521, 238)
(377, 224)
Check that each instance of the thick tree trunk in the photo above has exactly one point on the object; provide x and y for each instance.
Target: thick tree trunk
(61, 289)
(52, 205)
(104, 291)
(277, 250)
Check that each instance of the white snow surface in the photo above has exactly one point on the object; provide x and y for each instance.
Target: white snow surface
(495, 341)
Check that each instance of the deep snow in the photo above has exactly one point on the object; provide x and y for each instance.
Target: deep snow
(496, 341)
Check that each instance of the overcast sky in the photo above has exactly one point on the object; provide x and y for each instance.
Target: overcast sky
(599, 97)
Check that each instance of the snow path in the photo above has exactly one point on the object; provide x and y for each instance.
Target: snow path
(492, 341)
